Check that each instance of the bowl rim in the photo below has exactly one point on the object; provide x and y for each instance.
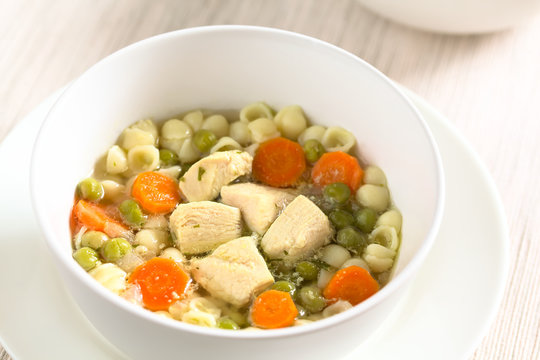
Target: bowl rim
(82, 276)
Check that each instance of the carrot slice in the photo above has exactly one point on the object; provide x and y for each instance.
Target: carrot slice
(279, 162)
(162, 282)
(273, 309)
(335, 167)
(94, 217)
(353, 284)
(155, 192)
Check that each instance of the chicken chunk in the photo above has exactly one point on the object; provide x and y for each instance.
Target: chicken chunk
(205, 178)
(298, 232)
(234, 272)
(259, 204)
(202, 226)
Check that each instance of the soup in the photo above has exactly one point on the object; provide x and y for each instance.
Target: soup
(259, 223)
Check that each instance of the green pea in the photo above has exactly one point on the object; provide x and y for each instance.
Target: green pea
(351, 239)
(115, 249)
(285, 286)
(90, 189)
(227, 323)
(313, 150)
(341, 218)
(311, 299)
(307, 270)
(86, 257)
(93, 239)
(204, 140)
(132, 213)
(168, 157)
(239, 318)
(365, 219)
(338, 193)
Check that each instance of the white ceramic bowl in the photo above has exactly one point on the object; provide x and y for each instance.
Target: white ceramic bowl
(225, 67)
(456, 16)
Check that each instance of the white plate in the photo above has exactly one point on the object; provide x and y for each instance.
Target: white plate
(446, 312)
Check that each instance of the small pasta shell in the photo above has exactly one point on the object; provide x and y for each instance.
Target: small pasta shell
(143, 158)
(315, 132)
(355, 262)
(290, 121)
(110, 276)
(386, 236)
(132, 137)
(256, 111)
(391, 218)
(336, 308)
(199, 318)
(377, 264)
(373, 196)
(116, 160)
(262, 129)
(175, 129)
(379, 258)
(173, 171)
(194, 119)
(153, 239)
(224, 144)
(338, 139)
(217, 124)
(158, 222)
(173, 254)
(174, 145)
(335, 255)
(188, 153)
(112, 189)
(205, 305)
(146, 125)
(239, 131)
(324, 278)
(375, 176)
(379, 251)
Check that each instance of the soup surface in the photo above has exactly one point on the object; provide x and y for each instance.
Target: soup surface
(262, 222)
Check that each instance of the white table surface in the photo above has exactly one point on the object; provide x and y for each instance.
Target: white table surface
(488, 86)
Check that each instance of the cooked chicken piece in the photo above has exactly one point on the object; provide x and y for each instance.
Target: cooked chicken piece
(202, 226)
(300, 230)
(205, 178)
(234, 272)
(259, 204)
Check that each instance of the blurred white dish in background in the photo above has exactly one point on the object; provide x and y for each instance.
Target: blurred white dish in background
(456, 16)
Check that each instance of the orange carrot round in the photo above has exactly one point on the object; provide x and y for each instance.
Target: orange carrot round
(353, 284)
(95, 218)
(273, 309)
(279, 162)
(336, 167)
(162, 282)
(155, 192)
